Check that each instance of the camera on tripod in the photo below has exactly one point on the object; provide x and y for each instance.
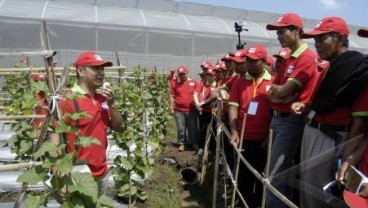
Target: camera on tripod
(239, 27)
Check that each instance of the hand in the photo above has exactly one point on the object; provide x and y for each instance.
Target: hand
(109, 95)
(234, 139)
(199, 105)
(340, 174)
(172, 110)
(214, 94)
(364, 191)
(297, 108)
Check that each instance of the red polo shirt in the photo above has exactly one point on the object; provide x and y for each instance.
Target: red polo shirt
(300, 68)
(172, 81)
(230, 81)
(342, 115)
(245, 91)
(94, 126)
(183, 95)
(360, 108)
(204, 92)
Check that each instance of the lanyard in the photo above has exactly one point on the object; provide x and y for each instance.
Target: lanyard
(255, 86)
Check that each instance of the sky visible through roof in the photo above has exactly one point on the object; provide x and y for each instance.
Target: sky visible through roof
(355, 12)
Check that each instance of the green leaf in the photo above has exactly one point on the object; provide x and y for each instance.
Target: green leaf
(77, 116)
(126, 163)
(25, 145)
(33, 175)
(63, 163)
(104, 201)
(64, 127)
(133, 190)
(86, 141)
(33, 201)
(32, 134)
(47, 146)
(85, 184)
(142, 195)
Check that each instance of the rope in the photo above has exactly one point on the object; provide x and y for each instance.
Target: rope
(265, 181)
(53, 103)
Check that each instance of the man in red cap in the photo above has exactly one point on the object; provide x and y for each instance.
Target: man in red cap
(231, 72)
(172, 77)
(229, 63)
(102, 114)
(249, 95)
(282, 55)
(221, 71)
(203, 98)
(270, 65)
(184, 110)
(206, 65)
(337, 106)
(296, 80)
(201, 76)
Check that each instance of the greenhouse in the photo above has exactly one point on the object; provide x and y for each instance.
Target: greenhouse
(161, 33)
(145, 149)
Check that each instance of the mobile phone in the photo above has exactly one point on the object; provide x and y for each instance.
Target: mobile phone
(333, 191)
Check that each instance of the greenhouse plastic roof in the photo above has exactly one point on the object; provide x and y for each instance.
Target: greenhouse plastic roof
(162, 33)
(151, 14)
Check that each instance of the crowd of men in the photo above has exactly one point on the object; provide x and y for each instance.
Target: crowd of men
(315, 103)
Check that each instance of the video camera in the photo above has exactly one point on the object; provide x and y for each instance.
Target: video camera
(239, 27)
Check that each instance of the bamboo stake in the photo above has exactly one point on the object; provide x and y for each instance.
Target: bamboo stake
(238, 159)
(19, 117)
(217, 157)
(29, 53)
(267, 168)
(49, 64)
(204, 161)
(18, 166)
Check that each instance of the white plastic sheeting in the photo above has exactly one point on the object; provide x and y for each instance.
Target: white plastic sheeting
(162, 33)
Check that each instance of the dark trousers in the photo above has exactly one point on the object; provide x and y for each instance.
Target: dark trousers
(204, 121)
(249, 186)
(229, 150)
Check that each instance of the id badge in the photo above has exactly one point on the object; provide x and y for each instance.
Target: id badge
(252, 110)
(311, 114)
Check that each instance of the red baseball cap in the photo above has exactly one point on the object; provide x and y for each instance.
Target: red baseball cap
(257, 52)
(327, 25)
(221, 66)
(239, 56)
(363, 32)
(270, 60)
(38, 76)
(211, 71)
(207, 65)
(283, 53)
(90, 58)
(182, 70)
(227, 56)
(286, 20)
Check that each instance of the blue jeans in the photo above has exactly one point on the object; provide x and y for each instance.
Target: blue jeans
(287, 137)
(186, 126)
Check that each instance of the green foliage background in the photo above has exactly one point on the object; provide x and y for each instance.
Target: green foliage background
(142, 99)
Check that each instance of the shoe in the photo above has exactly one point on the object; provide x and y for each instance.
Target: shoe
(195, 147)
(181, 148)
